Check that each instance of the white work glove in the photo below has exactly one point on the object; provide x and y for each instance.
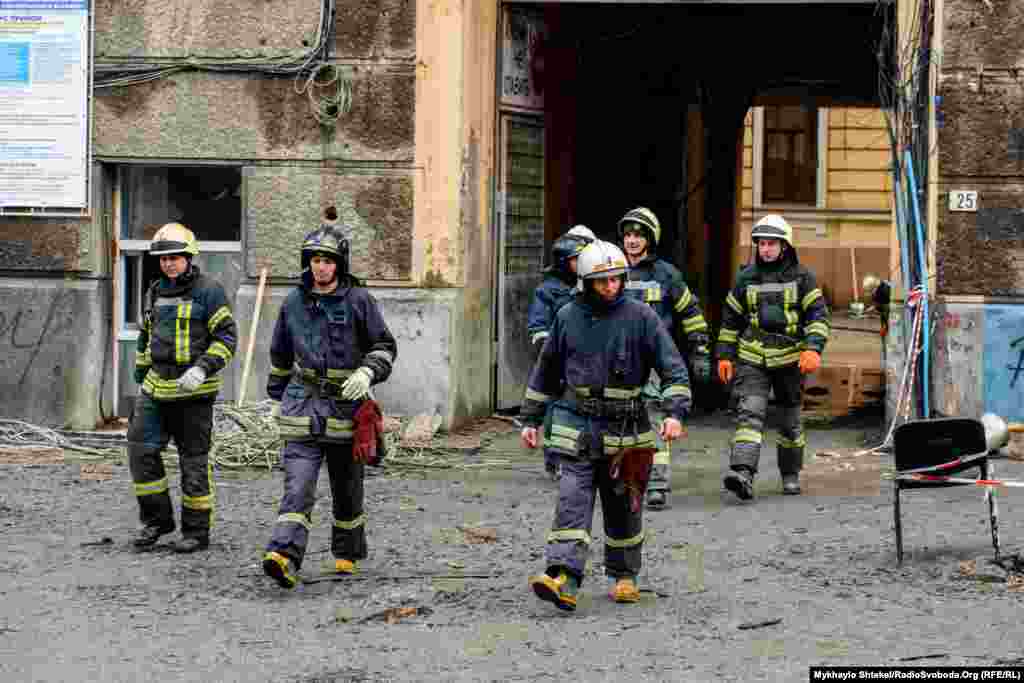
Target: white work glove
(192, 378)
(275, 409)
(357, 385)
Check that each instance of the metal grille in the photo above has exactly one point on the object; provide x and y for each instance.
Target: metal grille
(524, 196)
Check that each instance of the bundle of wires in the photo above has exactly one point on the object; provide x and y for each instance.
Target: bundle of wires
(312, 72)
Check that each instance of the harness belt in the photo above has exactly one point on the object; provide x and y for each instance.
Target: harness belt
(318, 386)
(774, 339)
(596, 403)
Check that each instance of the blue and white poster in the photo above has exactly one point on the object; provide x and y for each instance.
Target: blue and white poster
(44, 103)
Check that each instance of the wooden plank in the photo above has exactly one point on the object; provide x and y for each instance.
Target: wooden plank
(851, 377)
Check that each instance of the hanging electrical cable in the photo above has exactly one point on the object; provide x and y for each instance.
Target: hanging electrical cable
(327, 87)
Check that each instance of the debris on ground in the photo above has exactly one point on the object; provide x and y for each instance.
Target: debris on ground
(393, 615)
(759, 624)
(479, 535)
(421, 429)
(96, 471)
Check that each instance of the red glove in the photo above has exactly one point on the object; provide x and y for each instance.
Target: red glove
(726, 371)
(809, 361)
(369, 425)
(885, 329)
(633, 466)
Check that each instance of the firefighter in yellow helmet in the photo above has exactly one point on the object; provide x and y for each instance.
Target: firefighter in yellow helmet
(775, 324)
(659, 284)
(188, 336)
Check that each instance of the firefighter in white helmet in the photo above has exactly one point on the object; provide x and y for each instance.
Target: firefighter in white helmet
(775, 324)
(187, 337)
(658, 283)
(600, 353)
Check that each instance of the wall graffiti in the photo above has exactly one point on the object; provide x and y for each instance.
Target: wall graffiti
(1003, 360)
(23, 329)
(1017, 343)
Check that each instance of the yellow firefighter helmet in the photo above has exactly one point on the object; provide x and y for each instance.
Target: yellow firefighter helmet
(174, 238)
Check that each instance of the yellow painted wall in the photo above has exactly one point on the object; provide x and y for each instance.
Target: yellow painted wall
(858, 201)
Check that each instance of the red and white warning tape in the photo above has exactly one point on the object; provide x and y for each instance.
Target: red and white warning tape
(1008, 483)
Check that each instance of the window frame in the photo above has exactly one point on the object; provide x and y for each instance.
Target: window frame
(821, 172)
(128, 248)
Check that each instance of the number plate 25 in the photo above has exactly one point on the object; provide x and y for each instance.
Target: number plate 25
(963, 200)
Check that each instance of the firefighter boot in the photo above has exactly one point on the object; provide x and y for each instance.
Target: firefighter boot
(559, 590)
(657, 500)
(150, 534)
(191, 544)
(345, 566)
(791, 484)
(741, 482)
(790, 463)
(281, 569)
(625, 590)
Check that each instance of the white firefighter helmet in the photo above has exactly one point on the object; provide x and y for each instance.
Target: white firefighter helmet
(174, 239)
(583, 232)
(645, 218)
(773, 226)
(601, 259)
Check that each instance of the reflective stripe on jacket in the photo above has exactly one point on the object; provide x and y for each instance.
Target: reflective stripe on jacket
(660, 284)
(325, 337)
(771, 315)
(187, 323)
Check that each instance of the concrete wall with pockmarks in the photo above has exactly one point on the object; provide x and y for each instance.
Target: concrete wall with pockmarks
(282, 204)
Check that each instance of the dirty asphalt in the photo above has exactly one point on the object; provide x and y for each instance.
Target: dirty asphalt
(78, 604)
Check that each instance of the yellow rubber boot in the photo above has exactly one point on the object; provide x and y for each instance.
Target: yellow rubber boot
(345, 567)
(280, 568)
(625, 590)
(559, 590)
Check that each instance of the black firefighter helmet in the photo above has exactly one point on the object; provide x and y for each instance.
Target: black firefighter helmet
(327, 240)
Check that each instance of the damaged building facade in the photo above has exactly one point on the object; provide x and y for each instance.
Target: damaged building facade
(456, 139)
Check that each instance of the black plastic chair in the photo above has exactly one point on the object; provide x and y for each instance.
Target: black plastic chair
(943, 447)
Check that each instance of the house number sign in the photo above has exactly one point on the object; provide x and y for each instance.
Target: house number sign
(963, 200)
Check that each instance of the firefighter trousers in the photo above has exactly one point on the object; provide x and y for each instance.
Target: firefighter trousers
(569, 540)
(189, 423)
(751, 386)
(302, 460)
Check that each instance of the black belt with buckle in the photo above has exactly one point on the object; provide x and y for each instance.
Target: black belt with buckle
(321, 386)
(614, 408)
